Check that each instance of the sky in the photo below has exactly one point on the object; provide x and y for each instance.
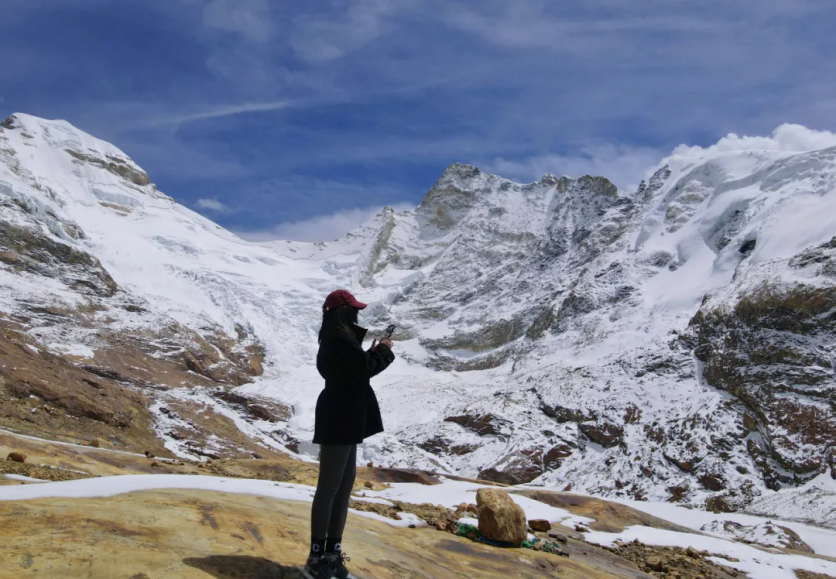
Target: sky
(301, 119)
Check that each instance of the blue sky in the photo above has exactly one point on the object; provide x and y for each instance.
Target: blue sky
(300, 118)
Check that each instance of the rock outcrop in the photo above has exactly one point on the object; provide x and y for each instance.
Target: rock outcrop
(30, 250)
(773, 352)
(17, 457)
(500, 518)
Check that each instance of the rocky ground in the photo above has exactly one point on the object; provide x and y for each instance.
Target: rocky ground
(673, 562)
(203, 534)
(198, 533)
(44, 473)
(195, 533)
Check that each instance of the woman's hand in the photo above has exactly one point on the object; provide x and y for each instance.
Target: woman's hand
(386, 342)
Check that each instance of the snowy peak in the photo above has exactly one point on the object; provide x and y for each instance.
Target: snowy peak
(76, 143)
(467, 177)
(460, 176)
(466, 195)
(672, 344)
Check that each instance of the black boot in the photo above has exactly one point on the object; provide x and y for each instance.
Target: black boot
(318, 567)
(336, 562)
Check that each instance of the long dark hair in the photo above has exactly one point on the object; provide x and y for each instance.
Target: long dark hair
(341, 318)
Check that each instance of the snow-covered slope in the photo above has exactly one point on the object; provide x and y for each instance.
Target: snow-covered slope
(673, 343)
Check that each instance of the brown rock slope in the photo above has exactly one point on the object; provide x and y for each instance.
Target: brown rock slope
(109, 396)
(108, 390)
(197, 534)
(65, 461)
(190, 533)
(161, 534)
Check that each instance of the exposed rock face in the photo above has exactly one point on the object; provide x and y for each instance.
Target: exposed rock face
(540, 525)
(214, 354)
(561, 414)
(115, 165)
(64, 388)
(515, 469)
(435, 445)
(555, 455)
(258, 409)
(500, 518)
(30, 250)
(110, 398)
(484, 425)
(604, 433)
(774, 351)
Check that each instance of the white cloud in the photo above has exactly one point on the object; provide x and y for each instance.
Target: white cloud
(788, 138)
(626, 166)
(211, 205)
(319, 228)
(324, 38)
(623, 165)
(218, 112)
(251, 18)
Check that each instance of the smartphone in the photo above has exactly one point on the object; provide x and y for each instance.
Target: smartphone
(389, 331)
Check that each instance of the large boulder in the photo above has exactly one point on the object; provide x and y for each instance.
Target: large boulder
(500, 518)
(17, 457)
(540, 525)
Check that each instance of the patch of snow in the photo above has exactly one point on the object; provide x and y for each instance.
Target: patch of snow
(766, 534)
(822, 541)
(79, 350)
(20, 477)
(757, 563)
(373, 500)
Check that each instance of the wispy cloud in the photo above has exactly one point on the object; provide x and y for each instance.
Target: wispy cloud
(217, 112)
(535, 24)
(339, 104)
(329, 36)
(251, 18)
(327, 227)
(212, 205)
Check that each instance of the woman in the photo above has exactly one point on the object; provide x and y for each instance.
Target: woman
(346, 413)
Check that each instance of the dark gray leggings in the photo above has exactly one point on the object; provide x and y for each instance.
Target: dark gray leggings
(337, 469)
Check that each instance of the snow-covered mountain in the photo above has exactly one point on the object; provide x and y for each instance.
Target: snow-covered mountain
(673, 343)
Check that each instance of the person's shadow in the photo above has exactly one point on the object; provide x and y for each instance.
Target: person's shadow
(243, 567)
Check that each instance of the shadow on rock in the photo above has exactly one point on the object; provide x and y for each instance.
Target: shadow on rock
(242, 567)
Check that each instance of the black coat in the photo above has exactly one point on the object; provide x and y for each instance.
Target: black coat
(347, 409)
